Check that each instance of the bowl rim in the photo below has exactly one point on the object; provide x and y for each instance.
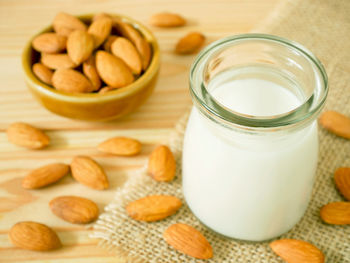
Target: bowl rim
(120, 93)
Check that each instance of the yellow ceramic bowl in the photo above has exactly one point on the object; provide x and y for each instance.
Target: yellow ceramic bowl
(94, 106)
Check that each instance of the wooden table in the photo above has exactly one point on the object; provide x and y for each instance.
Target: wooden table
(151, 123)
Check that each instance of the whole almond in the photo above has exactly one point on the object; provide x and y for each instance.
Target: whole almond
(74, 209)
(337, 213)
(45, 175)
(190, 43)
(297, 251)
(90, 71)
(154, 207)
(113, 70)
(188, 240)
(88, 172)
(166, 19)
(80, 45)
(105, 89)
(70, 80)
(100, 15)
(161, 164)
(120, 146)
(342, 181)
(125, 50)
(108, 43)
(57, 61)
(34, 236)
(336, 123)
(64, 24)
(49, 43)
(43, 73)
(25, 135)
(100, 29)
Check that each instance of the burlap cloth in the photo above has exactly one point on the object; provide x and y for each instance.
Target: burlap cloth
(322, 26)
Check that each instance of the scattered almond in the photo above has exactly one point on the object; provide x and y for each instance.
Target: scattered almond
(25, 135)
(167, 20)
(342, 181)
(57, 61)
(80, 45)
(153, 208)
(120, 146)
(337, 213)
(49, 43)
(336, 123)
(90, 71)
(190, 43)
(70, 80)
(108, 43)
(64, 24)
(34, 236)
(88, 172)
(297, 251)
(100, 29)
(105, 90)
(45, 175)
(161, 164)
(188, 240)
(43, 73)
(113, 70)
(74, 209)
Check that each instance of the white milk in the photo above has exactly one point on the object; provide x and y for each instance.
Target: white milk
(250, 187)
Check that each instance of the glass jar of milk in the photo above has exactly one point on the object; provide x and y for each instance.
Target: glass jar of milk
(251, 144)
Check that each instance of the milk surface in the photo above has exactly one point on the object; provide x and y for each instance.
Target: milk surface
(250, 187)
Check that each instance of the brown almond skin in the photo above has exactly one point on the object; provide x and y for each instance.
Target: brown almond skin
(188, 240)
(88, 172)
(25, 135)
(74, 209)
(336, 123)
(45, 175)
(112, 70)
(122, 146)
(153, 208)
(43, 73)
(166, 19)
(90, 71)
(190, 43)
(80, 45)
(342, 181)
(108, 43)
(34, 236)
(297, 251)
(49, 43)
(161, 164)
(64, 24)
(72, 81)
(337, 213)
(57, 61)
(125, 50)
(100, 29)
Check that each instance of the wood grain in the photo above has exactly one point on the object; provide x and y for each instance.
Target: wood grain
(150, 124)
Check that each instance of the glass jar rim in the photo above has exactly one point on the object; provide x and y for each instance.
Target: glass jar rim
(296, 117)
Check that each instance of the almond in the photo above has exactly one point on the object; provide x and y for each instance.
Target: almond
(113, 70)
(45, 175)
(80, 45)
(100, 29)
(64, 24)
(336, 123)
(88, 172)
(74, 209)
(25, 135)
(153, 207)
(125, 50)
(161, 164)
(43, 73)
(167, 20)
(105, 90)
(49, 43)
(57, 61)
(108, 43)
(90, 71)
(190, 43)
(70, 80)
(297, 251)
(34, 236)
(188, 240)
(100, 15)
(342, 181)
(120, 146)
(337, 213)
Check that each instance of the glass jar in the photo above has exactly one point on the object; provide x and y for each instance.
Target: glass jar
(251, 145)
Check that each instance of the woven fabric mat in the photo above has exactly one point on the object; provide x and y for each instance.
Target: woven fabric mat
(322, 26)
